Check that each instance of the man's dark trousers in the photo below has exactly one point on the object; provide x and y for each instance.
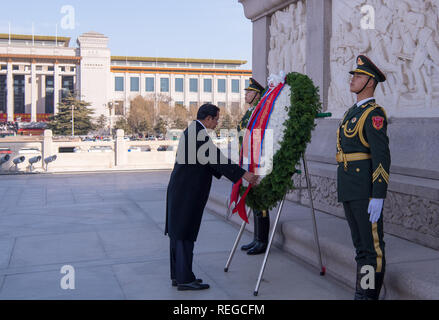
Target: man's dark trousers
(369, 244)
(366, 236)
(181, 260)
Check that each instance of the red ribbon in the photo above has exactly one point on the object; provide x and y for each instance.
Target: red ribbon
(261, 124)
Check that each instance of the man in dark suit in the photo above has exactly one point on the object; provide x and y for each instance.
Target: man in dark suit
(197, 160)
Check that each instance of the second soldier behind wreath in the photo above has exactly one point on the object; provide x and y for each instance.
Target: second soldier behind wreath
(363, 158)
(261, 219)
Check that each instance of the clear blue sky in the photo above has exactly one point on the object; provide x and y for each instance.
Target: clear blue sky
(215, 29)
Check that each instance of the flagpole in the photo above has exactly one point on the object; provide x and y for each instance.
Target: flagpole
(56, 35)
(33, 35)
(9, 33)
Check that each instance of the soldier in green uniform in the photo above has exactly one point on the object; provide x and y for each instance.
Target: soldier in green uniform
(363, 158)
(261, 219)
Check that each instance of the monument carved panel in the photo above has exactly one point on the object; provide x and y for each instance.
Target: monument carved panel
(402, 38)
(288, 39)
(407, 216)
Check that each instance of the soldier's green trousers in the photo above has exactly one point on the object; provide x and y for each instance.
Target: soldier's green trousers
(366, 236)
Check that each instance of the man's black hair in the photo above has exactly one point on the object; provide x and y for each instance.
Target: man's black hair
(206, 110)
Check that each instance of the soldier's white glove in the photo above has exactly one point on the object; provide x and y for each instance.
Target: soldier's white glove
(375, 208)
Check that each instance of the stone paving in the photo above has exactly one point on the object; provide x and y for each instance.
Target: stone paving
(109, 228)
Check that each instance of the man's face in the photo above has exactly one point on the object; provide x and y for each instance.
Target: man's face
(358, 81)
(211, 122)
(250, 95)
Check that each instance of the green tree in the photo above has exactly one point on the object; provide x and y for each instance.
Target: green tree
(61, 123)
(160, 126)
(179, 117)
(101, 122)
(226, 122)
(122, 123)
(179, 124)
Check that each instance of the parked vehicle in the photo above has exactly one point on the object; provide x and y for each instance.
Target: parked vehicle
(139, 149)
(29, 151)
(165, 148)
(134, 149)
(100, 149)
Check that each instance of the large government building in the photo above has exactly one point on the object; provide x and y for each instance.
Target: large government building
(36, 72)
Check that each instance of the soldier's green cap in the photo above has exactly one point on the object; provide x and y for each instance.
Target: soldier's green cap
(255, 86)
(366, 66)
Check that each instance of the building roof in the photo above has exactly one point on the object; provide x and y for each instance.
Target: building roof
(66, 40)
(186, 60)
(93, 34)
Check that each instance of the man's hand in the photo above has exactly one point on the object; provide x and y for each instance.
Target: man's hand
(375, 208)
(250, 177)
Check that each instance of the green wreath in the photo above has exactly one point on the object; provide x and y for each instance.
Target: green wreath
(305, 105)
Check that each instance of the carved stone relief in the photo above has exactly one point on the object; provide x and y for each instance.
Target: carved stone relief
(288, 39)
(408, 212)
(404, 44)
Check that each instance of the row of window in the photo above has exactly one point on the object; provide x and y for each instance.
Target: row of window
(38, 68)
(220, 104)
(19, 92)
(179, 85)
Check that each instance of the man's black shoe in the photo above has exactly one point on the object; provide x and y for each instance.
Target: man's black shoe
(248, 246)
(195, 285)
(174, 282)
(258, 248)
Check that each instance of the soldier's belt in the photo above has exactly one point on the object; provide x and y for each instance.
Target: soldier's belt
(348, 157)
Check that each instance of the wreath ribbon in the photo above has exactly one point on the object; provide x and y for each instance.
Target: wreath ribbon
(254, 135)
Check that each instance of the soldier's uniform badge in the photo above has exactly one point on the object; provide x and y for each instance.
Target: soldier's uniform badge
(377, 122)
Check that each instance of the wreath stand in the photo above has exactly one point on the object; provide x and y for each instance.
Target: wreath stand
(279, 211)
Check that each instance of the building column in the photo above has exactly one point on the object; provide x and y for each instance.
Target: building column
(242, 93)
(214, 90)
(261, 47)
(185, 90)
(10, 92)
(200, 102)
(228, 93)
(156, 91)
(77, 81)
(125, 106)
(43, 92)
(56, 87)
(33, 93)
(318, 28)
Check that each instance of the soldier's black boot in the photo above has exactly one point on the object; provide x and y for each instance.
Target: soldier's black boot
(379, 280)
(252, 244)
(261, 236)
(374, 294)
(360, 293)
